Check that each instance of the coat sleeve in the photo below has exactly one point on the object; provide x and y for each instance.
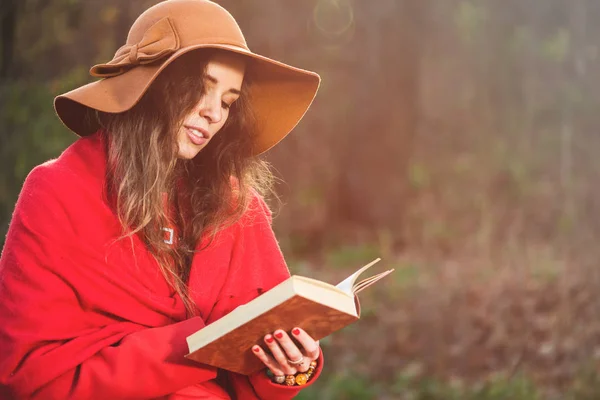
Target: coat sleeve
(257, 265)
(49, 347)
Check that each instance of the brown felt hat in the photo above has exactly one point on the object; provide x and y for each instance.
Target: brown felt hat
(281, 94)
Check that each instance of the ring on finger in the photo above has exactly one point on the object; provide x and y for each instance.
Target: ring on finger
(279, 356)
(304, 366)
(297, 362)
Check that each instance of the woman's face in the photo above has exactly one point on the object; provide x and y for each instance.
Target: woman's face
(223, 83)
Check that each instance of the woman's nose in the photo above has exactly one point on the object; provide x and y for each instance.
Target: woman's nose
(210, 108)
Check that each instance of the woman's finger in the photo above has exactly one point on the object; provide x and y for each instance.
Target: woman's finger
(279, 355)
(310, 346)
(292, 352)
(268, 361)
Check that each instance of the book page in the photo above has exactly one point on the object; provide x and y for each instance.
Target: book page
(347, 284)
(365, 283)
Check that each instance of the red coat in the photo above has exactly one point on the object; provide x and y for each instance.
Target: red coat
(84, 316)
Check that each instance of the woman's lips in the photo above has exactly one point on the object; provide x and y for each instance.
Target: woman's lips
(196, 136)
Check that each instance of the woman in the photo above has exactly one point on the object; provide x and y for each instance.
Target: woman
(152, 225)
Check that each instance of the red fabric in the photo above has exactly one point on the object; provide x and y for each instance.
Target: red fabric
(86, 316)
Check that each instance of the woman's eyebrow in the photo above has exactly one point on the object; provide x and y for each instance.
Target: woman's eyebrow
(216, 81)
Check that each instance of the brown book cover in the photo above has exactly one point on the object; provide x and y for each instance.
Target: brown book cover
(317, 307)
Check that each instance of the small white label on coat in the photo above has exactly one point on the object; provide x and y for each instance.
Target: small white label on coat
(170, 239)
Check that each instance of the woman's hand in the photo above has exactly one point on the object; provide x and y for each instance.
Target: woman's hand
(285, 355)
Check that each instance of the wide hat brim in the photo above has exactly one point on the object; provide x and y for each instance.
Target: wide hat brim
(280, 95)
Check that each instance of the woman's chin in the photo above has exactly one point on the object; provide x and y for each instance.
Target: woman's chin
(188, 152)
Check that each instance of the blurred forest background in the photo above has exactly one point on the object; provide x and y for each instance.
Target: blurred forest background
(454, 138)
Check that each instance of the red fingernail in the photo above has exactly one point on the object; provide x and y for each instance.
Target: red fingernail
(256, 349)
(296, 331)
(279, 335)
(269, 339)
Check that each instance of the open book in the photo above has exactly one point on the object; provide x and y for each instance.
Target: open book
(317, 307)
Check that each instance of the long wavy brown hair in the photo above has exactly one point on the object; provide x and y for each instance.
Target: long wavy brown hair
(152, 188)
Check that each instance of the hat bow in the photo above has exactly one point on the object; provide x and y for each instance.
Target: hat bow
(159, 41)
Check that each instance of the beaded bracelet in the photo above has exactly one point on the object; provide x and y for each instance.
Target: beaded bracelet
(301, 378)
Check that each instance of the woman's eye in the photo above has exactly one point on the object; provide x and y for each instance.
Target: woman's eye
(225, 105)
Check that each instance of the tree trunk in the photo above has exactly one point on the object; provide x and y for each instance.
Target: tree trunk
(8, 24)
(376, 144)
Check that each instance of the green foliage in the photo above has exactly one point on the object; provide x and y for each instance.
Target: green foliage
(296, 243)
(545, 267)
(519, 178)
(586, 385)
(407, 386)
(567, 222)
(556, 47)
(419, 177)
(311, 196)
(438, 231)
(348, 256)
(342, 387)
(516, 388)
(31, 134)
(469, 17)
(405, 275)
(521, 39)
